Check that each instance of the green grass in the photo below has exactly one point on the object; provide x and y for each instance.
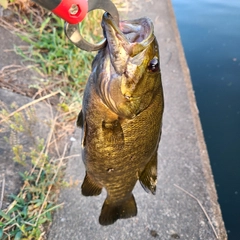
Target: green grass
(55, 56)
(59, 61)
(32, 209)
(65, 70)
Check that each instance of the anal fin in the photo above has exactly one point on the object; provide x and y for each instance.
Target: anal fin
(148, 177)
(90, 188)
(112, 211)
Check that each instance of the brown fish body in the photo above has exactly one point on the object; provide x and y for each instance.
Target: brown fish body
(121, 121)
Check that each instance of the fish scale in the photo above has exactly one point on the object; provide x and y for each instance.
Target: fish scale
(121, 118)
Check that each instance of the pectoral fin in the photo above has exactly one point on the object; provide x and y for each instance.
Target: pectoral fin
(113, 134)
(89, 187)
(148, 177)
(112, 211)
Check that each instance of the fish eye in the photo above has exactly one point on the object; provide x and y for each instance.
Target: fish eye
(153, 65)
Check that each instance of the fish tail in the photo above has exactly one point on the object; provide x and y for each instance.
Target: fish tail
(111, 211)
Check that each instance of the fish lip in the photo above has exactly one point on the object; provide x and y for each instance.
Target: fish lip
(126, 41)
(144, 25)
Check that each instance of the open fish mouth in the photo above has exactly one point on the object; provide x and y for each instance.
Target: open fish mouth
(128, 39)
(132, 31)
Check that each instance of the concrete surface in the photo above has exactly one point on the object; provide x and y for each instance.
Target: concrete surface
(14, 72)
(15, 77)
(36, 127)
(183, 160)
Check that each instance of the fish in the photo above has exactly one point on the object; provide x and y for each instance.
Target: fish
(121, 117)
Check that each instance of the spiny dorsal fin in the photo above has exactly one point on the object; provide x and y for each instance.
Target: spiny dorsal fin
(80, 120)
(112, 211)
(89, 187)
(148, 177)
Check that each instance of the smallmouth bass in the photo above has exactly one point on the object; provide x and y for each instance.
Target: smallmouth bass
(121, 117)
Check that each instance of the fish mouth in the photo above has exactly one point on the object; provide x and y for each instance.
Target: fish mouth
(128, 39)
(137, 30)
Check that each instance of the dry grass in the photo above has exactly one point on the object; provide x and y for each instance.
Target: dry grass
(30, 214)
(66, 69)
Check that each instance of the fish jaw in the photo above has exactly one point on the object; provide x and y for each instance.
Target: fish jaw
(126, 40)
(127, 79)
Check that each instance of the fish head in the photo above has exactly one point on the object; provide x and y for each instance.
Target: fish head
(130, 72)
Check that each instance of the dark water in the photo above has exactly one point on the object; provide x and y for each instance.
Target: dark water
(210, 33)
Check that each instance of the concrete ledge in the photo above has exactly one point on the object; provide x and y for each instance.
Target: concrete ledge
(183, 161)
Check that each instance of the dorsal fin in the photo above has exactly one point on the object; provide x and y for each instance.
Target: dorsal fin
(80, 119)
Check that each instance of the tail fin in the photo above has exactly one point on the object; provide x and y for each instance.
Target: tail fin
(111, 211)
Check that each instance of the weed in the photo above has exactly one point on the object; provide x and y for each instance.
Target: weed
(64, 69)
(64, 65)
(31, 210)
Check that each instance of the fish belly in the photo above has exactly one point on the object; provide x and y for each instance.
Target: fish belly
(117, 150)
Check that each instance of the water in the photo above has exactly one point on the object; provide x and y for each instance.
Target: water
(210, 33)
